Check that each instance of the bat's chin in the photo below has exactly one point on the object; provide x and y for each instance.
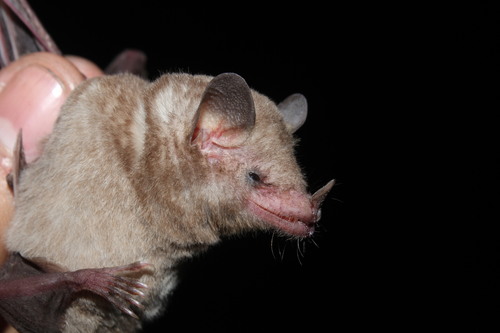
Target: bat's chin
(293, 224)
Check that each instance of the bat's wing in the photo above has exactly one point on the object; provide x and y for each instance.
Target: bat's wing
(21, 32)
(34, 295)
(41, 313)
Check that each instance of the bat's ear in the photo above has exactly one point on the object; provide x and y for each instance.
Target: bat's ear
(226, 114)
(294, 110)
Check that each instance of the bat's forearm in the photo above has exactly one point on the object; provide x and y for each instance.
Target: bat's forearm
(106, 282)
(34, 285)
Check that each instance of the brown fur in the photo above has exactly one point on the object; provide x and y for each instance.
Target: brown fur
(120, 180)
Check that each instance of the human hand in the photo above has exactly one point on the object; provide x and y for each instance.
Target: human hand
(32, 90)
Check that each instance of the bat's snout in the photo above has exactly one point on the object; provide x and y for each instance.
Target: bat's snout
(292, 212)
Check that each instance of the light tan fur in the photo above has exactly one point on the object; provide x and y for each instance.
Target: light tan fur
(120, 181)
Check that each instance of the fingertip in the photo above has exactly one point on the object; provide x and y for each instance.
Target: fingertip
(32, 90)
(64, 70)
(31, 101)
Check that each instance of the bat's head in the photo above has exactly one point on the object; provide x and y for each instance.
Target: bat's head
(247, 142)
(242, 165)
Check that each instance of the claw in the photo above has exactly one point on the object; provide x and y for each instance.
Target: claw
(128, 311)
(131, 268)
(118, 290)
(135, 302)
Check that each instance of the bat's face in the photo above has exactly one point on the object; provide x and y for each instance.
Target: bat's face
(248, 146)
(218, 159)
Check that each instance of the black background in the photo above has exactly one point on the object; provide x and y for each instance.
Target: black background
(478, 70)
(358, 67)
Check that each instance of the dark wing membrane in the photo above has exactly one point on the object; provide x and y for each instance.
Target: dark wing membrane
(21, 32)
(38, 313)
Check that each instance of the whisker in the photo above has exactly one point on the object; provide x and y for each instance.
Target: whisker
(315, 244)
(299, 252)
(282, 253)
(272, 245)
(299, 249)
(337, 199)
(298, 259)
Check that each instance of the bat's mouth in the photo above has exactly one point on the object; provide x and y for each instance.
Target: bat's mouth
(296, 225)
(292, 212)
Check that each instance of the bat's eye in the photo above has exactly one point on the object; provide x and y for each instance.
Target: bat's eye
(254, 177)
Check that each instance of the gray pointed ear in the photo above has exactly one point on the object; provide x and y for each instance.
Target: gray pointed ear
(294, 110)
(226, 114)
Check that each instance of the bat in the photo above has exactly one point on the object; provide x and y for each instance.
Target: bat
(163, 169)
